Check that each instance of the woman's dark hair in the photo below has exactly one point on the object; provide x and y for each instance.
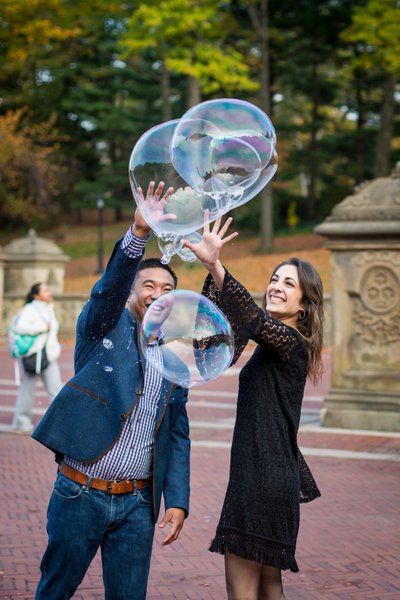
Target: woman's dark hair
(34, 291)
(155, 263)
(310, 321)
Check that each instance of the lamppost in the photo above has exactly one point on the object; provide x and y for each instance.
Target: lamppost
(100, 240)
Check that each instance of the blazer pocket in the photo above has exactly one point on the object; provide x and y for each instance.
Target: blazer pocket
(88, 392)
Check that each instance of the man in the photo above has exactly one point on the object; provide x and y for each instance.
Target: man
(121, 433)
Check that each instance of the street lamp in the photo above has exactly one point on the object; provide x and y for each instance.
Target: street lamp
(100, 240)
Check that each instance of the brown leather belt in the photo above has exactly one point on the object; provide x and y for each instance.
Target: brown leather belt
(112, 487)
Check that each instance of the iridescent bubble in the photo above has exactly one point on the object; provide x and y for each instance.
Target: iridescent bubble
(183, 213)
(186, 338)
(175, 246)
(186, 254)
(259, 182)
(222, 142)
(219, 155)
(151, 161)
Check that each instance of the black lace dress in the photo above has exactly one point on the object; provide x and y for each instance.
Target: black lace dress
(268, 475)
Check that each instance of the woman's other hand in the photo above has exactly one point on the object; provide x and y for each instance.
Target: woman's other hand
(209, 247)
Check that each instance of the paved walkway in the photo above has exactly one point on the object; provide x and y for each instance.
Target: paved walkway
(349, 538)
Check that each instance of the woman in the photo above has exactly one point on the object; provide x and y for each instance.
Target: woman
(37, 318)
(269, 478)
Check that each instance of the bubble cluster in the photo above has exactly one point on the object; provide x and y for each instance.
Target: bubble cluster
(186, 338)
(229, 141)
(219, 155)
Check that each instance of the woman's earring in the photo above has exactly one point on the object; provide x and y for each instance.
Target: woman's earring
(302, 314)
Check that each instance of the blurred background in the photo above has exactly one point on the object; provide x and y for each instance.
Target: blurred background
(80, 81)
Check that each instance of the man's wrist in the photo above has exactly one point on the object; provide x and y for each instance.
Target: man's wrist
(133, 245)
(140, 232)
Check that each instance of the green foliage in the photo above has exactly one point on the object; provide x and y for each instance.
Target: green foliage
(81, 81)
(375, 31)
(186, 36)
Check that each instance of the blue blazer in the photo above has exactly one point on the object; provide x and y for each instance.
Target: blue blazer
(86, 418)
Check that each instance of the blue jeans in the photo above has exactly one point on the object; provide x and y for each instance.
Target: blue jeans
(79, 521)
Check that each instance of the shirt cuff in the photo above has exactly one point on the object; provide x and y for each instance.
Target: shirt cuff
(132, 245)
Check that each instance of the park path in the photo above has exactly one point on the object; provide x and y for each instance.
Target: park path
(349, 538)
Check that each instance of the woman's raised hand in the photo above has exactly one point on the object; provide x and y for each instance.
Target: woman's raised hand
(209, 247)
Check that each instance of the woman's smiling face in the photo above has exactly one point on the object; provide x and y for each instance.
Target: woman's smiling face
(284, 297)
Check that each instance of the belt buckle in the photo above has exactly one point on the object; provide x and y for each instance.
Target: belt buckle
(110, 484)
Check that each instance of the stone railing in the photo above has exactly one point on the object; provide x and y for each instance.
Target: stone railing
(68, 307)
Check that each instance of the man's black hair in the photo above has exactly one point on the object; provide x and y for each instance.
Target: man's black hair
(155, 263)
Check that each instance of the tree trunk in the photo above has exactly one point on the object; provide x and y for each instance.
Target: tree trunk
(118, 214)
(260, 24)
(360, 135)
(267, 220)
(193, 92)
(78, 216)
(303, 176)
(385, 133)
(166, 112)
(313, 144)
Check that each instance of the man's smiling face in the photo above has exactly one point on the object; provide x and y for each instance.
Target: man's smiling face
(149, 285)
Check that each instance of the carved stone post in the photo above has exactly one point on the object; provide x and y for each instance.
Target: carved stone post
(31, 259)
(26, 261)
(2, 259)
(363, 233)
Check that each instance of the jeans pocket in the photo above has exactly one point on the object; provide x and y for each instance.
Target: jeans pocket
(66, 488)
(145, 495)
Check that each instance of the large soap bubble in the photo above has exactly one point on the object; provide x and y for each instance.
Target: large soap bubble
(183, 213)
(219, 155)
(220, 144)
(151, 161)
(259, 182)
(187, 338)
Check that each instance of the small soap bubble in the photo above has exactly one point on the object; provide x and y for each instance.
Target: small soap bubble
(194, 338)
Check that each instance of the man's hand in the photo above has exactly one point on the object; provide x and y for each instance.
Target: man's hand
(154, 203)
(175, 516)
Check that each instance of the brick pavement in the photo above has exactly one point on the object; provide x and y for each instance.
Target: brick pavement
(349, 538)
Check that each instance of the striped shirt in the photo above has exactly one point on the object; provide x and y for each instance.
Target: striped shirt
(131, 456)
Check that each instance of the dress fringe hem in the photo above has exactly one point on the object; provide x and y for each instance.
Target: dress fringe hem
(279, 559)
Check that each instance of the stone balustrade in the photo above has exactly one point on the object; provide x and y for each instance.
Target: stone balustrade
(363, 234)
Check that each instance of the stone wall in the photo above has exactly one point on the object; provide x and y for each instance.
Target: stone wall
(31, 259)
(67, 308)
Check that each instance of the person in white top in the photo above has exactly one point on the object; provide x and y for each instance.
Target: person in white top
(37, 317)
